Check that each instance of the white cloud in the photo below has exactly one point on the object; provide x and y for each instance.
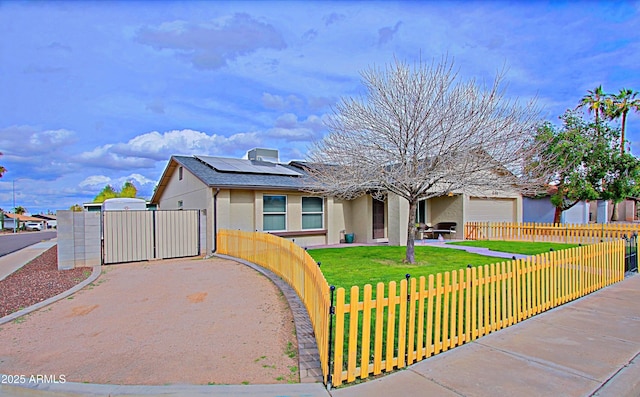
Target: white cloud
(288, 127)
(94, 181)
(25, 140)
(138, 180)
(106, 157)
(144, 151)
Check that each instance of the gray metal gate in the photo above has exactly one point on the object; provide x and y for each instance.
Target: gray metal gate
(130, 236)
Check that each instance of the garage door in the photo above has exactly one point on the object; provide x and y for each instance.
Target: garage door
(491, 210)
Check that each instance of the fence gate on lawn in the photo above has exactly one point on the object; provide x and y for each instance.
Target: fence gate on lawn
(631, 253)
(130, 236)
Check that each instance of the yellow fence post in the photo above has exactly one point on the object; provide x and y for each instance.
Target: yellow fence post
(433, 314)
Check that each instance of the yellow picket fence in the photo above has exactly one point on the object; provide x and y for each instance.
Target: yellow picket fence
(395, 328)
(551, 232)
(294, 265)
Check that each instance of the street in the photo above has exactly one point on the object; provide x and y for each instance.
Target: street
(13, 242)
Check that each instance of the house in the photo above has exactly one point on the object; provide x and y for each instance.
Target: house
(541, 210)
(51, 221)
(16, 221)
(601, 210)
(261, 194)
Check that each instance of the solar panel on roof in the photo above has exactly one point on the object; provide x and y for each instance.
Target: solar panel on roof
(247, 166)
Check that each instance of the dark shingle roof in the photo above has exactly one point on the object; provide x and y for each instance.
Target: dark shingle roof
(215, 178)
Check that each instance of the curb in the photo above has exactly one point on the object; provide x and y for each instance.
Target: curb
(97, 270)
(71, 389)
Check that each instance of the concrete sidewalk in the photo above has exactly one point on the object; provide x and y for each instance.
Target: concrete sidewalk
(11, 262)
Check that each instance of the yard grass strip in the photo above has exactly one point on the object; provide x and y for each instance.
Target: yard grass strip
(361, 265)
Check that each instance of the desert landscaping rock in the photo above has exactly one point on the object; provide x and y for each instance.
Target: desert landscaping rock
(185, 321)
(37, 281)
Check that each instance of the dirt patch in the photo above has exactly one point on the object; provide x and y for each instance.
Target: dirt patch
(197, 298)
(134, 326)
(82, 310)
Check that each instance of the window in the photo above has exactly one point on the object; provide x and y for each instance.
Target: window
(180, 173)
(274, 215)
(312, 213)
(179, 204)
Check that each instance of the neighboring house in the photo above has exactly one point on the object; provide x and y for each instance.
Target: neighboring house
(540, 210)
(260, 194)
(18, 220)
(50, 220)
(601, 210)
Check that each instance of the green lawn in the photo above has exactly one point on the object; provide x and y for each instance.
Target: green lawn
(517, 247)
(346, 267)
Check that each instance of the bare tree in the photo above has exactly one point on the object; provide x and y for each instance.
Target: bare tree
(421, 132)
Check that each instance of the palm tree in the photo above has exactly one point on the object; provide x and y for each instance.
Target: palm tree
(594, 101)
(19, 210)
(619, 105)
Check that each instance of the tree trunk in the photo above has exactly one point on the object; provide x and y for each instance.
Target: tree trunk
(410, 256)
(624, 121)
(557, 215)
(614, 212)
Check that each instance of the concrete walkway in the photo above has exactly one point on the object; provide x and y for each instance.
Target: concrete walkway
(11, 262)
(589, 347)
(474, 250)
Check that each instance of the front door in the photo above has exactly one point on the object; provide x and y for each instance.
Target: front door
(378, 219)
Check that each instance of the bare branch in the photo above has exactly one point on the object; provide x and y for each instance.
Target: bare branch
(420, 132)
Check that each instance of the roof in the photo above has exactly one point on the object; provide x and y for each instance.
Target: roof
(22, 218)
(222, 172)
(48, 217)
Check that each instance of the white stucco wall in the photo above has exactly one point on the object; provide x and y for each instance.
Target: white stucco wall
(360, 222)
(241, 209)
(397, 220)
(542, 211)
(337, 217)
(190, 190)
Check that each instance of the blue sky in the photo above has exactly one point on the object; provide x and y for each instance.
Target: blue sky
(96, 93)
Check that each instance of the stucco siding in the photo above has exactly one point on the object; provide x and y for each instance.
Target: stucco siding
(542, 211)
(447, 209)
(190, 191)
(537, 210)
(241, 207)
(361, 217)
(626, 210)
(224, 210)
(397, 219)
(337, 218)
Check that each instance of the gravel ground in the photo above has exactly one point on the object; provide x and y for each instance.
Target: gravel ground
(38, 280)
